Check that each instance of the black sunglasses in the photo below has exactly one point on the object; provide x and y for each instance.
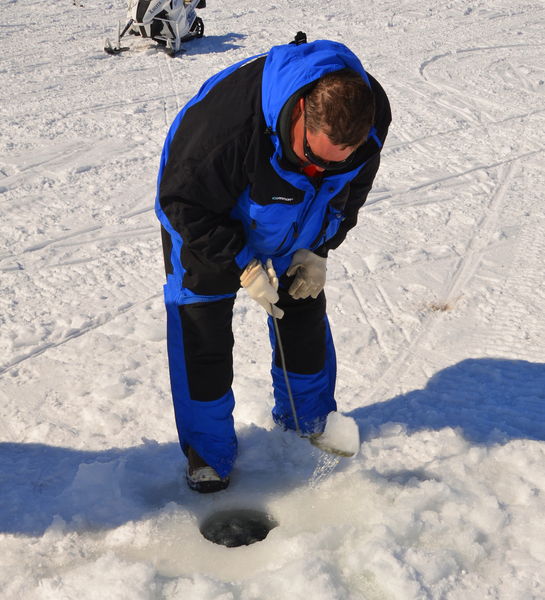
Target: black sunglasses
(328, 165)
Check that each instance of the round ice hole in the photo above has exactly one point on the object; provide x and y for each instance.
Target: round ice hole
(237, 527)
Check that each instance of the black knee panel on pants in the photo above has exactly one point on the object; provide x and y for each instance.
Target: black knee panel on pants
(303, 332)
(208, 347)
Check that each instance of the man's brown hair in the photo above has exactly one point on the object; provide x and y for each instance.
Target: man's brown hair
(342, 106)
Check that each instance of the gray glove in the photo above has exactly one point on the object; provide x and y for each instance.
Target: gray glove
(310, 272)
(262, 286)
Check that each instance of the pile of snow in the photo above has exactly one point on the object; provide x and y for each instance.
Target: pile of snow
(341, 436)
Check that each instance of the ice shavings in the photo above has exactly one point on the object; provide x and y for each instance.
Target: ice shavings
(341, 435)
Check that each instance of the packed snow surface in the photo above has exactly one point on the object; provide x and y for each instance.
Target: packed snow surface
(436, 302)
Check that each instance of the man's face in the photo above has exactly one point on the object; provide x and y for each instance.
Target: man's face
(317, 144)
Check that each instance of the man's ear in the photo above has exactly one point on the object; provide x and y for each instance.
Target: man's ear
(298, 109)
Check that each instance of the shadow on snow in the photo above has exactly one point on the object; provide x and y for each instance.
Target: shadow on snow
(489, 401)
(212, 44)
(92, 490)
(95, 491)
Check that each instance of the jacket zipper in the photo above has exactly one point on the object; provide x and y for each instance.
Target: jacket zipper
(295, 228)
(321, 237)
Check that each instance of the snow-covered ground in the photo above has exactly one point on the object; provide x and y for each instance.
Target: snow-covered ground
(436, 302)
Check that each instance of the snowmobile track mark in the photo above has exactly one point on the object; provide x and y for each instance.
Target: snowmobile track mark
(130, 233)
(429, 61)
(364, 314)
(173, 85)
(391, 381)
(99, 322)
(432, 182)
(391, 309)
(61, 238)
(465, 102)
(469, 263)
(166, 116)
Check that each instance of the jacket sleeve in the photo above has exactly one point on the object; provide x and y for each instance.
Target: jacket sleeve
(200, 183)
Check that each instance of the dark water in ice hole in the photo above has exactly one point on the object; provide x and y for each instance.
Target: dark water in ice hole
(237, 527)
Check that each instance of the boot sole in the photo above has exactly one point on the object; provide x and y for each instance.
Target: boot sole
(207, 487)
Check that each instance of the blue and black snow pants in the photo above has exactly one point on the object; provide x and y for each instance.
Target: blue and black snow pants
(200, 350)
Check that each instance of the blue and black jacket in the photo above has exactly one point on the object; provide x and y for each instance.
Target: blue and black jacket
(227, 192)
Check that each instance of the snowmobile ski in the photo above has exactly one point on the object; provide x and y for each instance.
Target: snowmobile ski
(168, 22)
(109, 49)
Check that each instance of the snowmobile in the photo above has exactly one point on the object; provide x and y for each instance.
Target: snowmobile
(168, 22)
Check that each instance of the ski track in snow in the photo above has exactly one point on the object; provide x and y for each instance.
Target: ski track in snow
(435, 300)
(453, 289)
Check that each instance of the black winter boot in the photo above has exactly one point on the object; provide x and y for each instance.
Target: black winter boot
(201, 477)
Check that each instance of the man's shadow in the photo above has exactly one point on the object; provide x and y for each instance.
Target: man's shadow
(93, 490)
(78, 490)
(489, 401)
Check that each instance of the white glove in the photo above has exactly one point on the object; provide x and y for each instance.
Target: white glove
(309, 270)
(262, 286)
